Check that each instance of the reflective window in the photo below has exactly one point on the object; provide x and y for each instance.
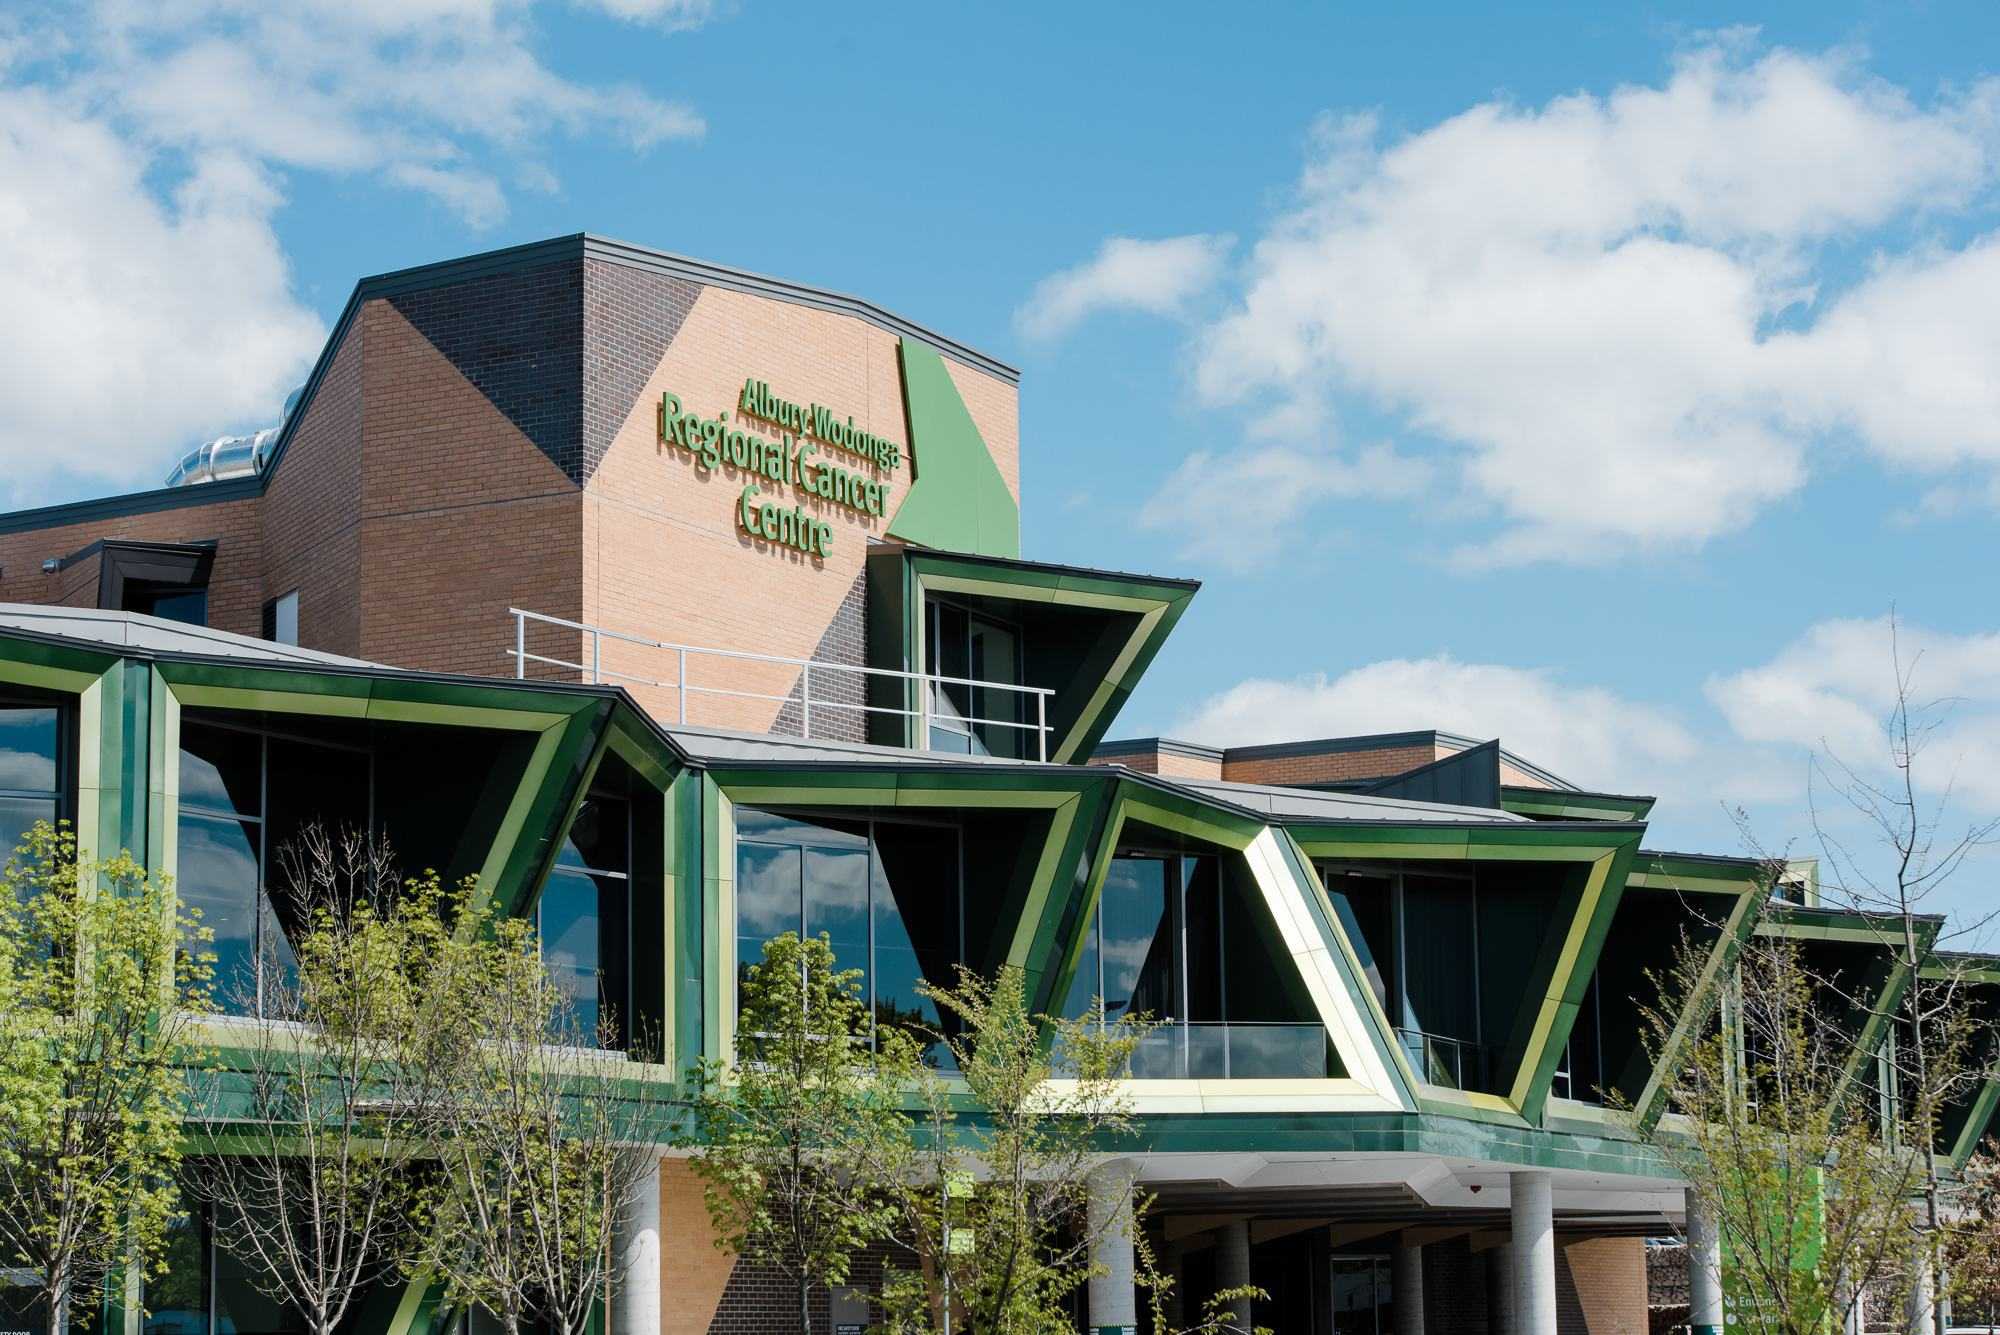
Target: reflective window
(583, 917)
(246, 795)
(980, 720)
(885, 894)
(1173, 942)
(31, 768)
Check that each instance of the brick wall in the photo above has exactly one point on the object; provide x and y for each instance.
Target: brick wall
(492, 443)
(1327, 767)
(312, 508)
(462, 515)
(1601, 1287)
(236, 583)
(1455, 1297)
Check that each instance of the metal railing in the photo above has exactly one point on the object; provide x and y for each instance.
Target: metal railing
(934, 709)
(1234, 1050)
(1453, 1063)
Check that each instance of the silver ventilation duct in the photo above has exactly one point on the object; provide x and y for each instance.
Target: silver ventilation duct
(232, 456)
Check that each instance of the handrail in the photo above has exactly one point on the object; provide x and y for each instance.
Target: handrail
(927, 682)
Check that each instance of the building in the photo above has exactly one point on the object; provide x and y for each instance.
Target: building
(682, 604)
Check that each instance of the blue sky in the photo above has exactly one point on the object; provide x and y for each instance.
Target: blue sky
(1599, 380)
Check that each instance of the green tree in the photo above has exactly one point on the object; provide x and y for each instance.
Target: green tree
(312, 1127)
(543, 1136)
(804, 1136)
(996, 1215)
(1814, 1176)
(97, 1010)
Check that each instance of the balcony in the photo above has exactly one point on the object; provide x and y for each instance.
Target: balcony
(696, 686)
(1234, 1051)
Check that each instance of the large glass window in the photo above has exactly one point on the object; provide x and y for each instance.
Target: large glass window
(33, 761)
(247, 793)
(584, 917)
(1449, 955)
(204, 1290)
(1173, 941)
(885, 893)
(980, 720)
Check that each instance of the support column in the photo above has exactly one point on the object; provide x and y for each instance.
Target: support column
(1534, 1249)
(635, 1242)
(1409, 1289)
(1704, 1253)
(1232, 1270)
(1500, 1289)
(1920, 1303)
(1114, 1301)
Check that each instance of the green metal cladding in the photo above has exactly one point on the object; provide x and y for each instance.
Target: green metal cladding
(1066, 822)
(958, 500)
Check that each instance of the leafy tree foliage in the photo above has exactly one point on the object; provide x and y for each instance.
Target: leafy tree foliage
(98, 1004)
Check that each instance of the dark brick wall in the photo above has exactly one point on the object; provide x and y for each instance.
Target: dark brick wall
(1455, 1297)
(761, 1299)
(845, 642)
(629, 318)
(518, 337)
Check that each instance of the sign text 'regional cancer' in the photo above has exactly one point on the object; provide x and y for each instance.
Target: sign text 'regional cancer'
(792, 459)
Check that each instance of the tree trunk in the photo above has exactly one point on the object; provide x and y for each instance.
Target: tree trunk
(59, 1307)
(805, 1307)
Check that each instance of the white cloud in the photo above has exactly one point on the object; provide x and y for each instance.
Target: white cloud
(1589, 735)
(145, 147)
(1238, 509)
(132, 322)
(1596, 310)
(1154, 277)
(1835, 686)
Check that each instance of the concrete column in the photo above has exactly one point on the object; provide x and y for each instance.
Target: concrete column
(1534, 1249)
(1920, 1303)
(1232, 1269)
(1704, 1251)
(635, 1242)
(1114, 1301)
(1500, 1289)
(1409, 1289)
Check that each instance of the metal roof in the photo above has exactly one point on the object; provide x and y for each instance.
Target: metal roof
(1315, 804)
(132, 630)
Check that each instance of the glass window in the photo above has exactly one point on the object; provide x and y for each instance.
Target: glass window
(242, 1308)
(584, 914)
(28, 742)
(971, 647)
(246, 794)
(188, 606)
(281, 618)
(177, 1298)
(1137, 940)
(886, 895)
(217, 879)
(31, 769)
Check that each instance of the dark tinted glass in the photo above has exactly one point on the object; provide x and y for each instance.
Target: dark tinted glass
(188, 606)
(217, 876)
(599, 838)
(241, 1308)
(220, 769)
(571, 926)
(1138, 940)
(27, 749)
(309, 785)
(1438, 949)
(177, 1300)
(1202, 907)
(1364, 905)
